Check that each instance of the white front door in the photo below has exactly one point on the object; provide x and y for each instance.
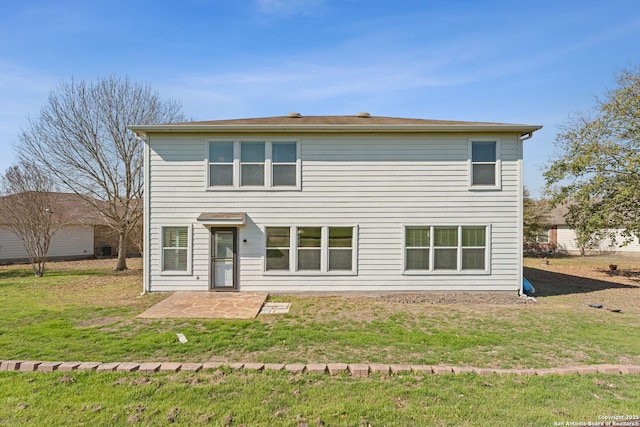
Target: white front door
(223, 249)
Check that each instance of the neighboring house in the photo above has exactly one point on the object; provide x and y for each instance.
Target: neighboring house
(333, 203)
(85, 232)
(562, 238)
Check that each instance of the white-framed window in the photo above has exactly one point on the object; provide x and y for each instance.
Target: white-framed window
(311, 249)
(221, 163)
(253, 165)
(446, 248)
(484, 163)
(341, 248)
(418, 248)
(252, 159)
(542, 236)
(278, 244)
(284, 164)
(176, 247)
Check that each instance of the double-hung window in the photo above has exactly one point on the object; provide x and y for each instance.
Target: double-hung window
(175, 249)
(221, 163)
(446, 249)
(252, 158)
(278, 243)
(253, 164)
(340, 248)
(310, 249)
(418, 248)
(474, 244)
(484, 164)
(284, 158)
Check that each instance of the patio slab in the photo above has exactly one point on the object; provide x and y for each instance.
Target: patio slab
(208, 305)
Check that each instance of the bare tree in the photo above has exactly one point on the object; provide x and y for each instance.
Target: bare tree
(27, 210)
(81, 137)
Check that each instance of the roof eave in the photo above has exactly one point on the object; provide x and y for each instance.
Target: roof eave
(144, 130)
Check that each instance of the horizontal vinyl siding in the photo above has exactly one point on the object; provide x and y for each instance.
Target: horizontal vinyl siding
(567, 242)
(67, 242)
(376, 183)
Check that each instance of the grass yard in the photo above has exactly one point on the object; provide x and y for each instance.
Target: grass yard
(85, 311)
(224, 398)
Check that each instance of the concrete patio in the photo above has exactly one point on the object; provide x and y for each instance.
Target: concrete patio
(208, 305)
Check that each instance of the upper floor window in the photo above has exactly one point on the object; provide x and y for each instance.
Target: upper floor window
(484, 164)
(284, 158)
(221, 163)
(252, 158)
(251, 164)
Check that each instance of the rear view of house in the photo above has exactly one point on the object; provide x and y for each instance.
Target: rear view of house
(333, 203)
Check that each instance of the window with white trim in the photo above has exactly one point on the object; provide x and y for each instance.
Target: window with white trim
(284, 158)
(221, 163)
(253, 164)
(175, 249)
(310, 249)
(445, 248)
(278, 244)
(252, 158)
(418, 248)
(542, 236)
(340, 248)
(484, 164)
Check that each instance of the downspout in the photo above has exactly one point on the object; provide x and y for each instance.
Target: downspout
(145, 218)
(522, 138)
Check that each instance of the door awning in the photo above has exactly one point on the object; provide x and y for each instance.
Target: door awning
(224, 218)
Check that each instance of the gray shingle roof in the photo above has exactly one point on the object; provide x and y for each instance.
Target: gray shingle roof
(357, 120)
(357, 123)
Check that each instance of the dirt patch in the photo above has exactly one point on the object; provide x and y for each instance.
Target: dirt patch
(581, 285)
(446, 298)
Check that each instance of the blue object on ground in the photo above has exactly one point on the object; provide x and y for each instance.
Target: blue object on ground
(527, 287)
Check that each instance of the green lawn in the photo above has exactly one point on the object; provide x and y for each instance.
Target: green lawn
(84, 311)
(279, 399)
(90, 314)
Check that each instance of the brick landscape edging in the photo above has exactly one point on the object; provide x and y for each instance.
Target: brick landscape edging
(354, 369)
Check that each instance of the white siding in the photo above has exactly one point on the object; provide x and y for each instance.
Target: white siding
(378, 183)
(69, 241)
(567, 242)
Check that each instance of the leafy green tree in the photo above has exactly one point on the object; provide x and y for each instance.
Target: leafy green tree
(597, 170)
(585, 220)
(535, 217)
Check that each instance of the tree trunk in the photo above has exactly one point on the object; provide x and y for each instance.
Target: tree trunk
(122, 251)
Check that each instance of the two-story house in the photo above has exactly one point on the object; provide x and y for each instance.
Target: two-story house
(333, 203)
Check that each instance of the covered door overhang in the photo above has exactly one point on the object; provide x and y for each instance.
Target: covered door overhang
(222, 219)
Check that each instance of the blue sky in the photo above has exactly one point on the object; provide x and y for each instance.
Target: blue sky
(505, 61)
